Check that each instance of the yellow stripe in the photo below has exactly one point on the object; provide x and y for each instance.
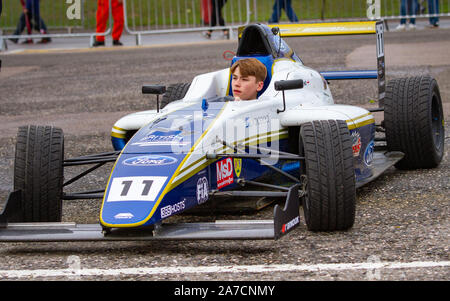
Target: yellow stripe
(359, 117)
(360, 124)
(104, 195)
(119, 129)
(320, 29)
(116, 135)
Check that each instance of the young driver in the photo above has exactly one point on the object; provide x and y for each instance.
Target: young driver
(248, 77)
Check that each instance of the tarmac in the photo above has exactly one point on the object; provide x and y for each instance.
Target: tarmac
(130, 41)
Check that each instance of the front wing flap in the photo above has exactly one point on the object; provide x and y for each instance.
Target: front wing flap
(284, 221)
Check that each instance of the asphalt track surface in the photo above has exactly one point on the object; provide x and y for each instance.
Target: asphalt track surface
(402, 226)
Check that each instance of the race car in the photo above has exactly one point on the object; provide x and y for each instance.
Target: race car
(199, 145)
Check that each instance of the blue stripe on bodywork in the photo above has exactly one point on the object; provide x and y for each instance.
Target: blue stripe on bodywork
(351, 74)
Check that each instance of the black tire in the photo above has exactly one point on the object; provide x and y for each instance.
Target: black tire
(174, 92)
(329, 204)
(414, 122)
(38, 173)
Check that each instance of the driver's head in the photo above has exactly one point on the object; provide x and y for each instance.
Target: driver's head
(248, 77)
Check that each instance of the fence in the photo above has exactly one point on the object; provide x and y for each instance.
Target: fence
(162, 16)
(63, 18)
(156, 16)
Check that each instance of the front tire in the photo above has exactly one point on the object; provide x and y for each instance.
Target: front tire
(38, 173)
(329, 203)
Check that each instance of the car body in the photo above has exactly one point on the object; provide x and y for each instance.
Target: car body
(203, 145)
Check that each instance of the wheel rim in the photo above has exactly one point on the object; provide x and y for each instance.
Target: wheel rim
(437, 125)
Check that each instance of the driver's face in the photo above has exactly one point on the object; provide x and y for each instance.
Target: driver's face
(245, 87)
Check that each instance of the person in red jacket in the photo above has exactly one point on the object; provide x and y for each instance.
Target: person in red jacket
(102, 20)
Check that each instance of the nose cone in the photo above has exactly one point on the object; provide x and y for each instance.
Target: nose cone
(135, 188)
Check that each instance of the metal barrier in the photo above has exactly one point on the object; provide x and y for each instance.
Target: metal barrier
(70, 15)
(144, 17)
(342, 10)
(169, 16)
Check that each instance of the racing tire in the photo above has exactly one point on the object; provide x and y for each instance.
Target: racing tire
(414, 121)
(38, 173)
(174, 92)
(329, 203)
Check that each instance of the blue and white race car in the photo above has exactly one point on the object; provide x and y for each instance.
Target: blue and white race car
(199, 145)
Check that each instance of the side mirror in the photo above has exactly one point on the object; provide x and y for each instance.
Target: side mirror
(154, 89)
(283, 85)
(289, 84)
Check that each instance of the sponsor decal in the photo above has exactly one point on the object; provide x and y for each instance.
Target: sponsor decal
(202, 190)
(368, 154)
(124, 216)
(150, 160)
(237, 166)
(224, 170)
(257, 121)
(162, 138)
(356, 146)
(172, 209)
(291, 224)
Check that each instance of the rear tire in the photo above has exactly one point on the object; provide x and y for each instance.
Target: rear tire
(414, 121)
(174, 92)
(331, 193)
(38, 173)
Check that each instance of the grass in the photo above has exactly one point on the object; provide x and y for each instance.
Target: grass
(158, 14)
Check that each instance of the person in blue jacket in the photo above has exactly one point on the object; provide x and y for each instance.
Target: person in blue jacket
(32, 11)
(287, 6)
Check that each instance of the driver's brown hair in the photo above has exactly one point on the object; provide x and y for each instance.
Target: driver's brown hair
(251, 67)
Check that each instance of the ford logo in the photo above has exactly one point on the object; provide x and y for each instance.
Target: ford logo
(150, 160)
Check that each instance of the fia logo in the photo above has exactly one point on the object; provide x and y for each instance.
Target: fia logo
(74, 10)
(202, 190)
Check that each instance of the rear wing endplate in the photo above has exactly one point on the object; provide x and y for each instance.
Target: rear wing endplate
(346, 28)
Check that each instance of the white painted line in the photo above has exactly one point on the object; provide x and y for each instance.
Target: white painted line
(5, 274)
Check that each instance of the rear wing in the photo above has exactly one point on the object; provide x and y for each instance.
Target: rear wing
(346, 28)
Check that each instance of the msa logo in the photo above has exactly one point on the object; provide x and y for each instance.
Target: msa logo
(224, 170)
(202, 190)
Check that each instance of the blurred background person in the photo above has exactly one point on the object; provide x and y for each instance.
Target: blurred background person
(287, 6)
(102, 20)
(408, 7)
(433, 8)
(215, 17)
(31, 18)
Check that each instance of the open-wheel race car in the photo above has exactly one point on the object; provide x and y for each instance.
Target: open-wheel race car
(292, 142)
